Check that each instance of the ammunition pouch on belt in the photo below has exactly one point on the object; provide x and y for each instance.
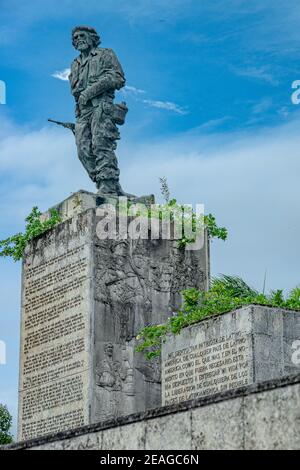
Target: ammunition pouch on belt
(116, 111)
(119, 113)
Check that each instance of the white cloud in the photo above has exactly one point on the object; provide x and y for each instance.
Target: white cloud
(262, 106)
(284, 112)
(258, 73)
(168, 105)
(33, 170)
(165, 105)
(132, 90)
(214, 123)
(62, 75)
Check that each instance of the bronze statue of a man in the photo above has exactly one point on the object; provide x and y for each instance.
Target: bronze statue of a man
(95, 76)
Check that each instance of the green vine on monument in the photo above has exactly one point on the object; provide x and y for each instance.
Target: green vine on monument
(227, 293)
(14, 246)
(208, 222)
(198, 224)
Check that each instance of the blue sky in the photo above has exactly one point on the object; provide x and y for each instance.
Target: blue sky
(209, 93)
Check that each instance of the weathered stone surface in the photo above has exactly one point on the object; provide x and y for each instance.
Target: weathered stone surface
(55, 363)
(218, 426)
(260, 416)
(87, 442)
(128, 437)
(249, 345)
(77, 203)
(84, 300)
(169, 432)
(272, 420)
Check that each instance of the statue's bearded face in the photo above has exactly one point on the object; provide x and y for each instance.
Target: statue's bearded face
(109, 349)
(82, 41)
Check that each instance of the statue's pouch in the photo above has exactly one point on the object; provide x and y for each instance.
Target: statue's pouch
(119, 113)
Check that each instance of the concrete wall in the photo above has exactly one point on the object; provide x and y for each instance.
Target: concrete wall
(265, 416)
(249, 345)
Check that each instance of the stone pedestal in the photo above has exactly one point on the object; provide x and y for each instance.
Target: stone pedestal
(83, 302)
(250, 345)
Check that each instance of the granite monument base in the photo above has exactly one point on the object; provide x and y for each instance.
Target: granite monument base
(84, 300)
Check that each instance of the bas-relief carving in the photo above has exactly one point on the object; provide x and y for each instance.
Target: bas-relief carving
(135, 288)
(150, 370)
(137, 283)
(115, 381)
(130, 272)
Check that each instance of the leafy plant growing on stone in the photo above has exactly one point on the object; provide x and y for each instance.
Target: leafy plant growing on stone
(164, 188)
(5, 425)
(181, 217)
(227, 293)
(199, 223)
(14, 246)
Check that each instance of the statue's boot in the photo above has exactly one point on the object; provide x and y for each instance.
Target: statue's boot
(112, 188)
(123, 194)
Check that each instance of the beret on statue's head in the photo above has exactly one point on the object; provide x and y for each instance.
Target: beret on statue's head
(90, 30)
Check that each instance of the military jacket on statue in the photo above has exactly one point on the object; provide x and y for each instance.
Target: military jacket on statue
(94, 80)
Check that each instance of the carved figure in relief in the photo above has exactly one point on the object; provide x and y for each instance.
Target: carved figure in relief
(115, 380)
(106, 375)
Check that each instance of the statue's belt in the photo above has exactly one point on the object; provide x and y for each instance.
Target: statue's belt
(116, 111)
